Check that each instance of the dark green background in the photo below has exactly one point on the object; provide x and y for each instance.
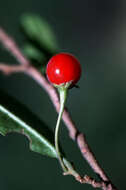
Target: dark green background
(95, 31)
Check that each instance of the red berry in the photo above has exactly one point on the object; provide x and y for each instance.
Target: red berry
(63, 68)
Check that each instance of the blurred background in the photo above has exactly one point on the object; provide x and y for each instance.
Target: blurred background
(94, 31)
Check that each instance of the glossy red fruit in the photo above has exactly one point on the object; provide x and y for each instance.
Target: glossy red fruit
(63, 68)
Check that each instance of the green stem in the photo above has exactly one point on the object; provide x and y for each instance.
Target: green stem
(63, 96)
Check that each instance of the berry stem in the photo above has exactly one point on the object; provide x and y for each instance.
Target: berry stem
(63, 96)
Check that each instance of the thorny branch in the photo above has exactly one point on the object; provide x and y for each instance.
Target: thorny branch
(76, 136)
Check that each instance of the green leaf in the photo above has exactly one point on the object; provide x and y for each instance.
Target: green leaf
(33, 53)
(37, 29)
(37, 58)
(11, 123)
